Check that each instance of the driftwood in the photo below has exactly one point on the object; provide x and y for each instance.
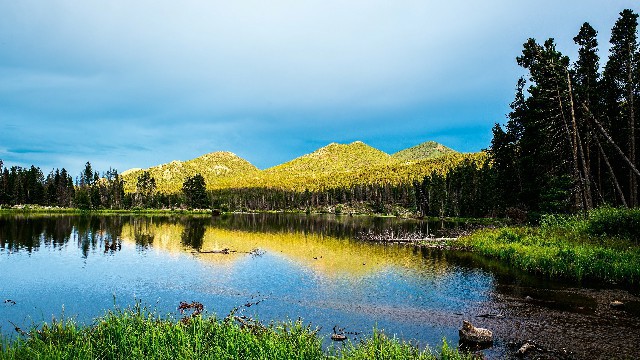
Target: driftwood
(224, 251)
(338, 337)
(227, 251)
(490, 316)
(415, 241)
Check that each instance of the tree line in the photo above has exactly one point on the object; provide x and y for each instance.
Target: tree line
(91, 191)
(29, 186)
(570, 140)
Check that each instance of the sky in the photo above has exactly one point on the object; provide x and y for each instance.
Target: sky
(126, 84)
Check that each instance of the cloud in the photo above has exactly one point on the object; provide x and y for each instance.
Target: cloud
(26, 151)
(136, 83)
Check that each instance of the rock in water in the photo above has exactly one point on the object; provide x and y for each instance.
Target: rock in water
(617, 304)
(473, 335)
(524, 348)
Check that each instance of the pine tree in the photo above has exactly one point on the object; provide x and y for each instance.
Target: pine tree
(145, 190)
(195, 192)
(86, 177)
(620, 85)
(553, 128)
(3, 185)
(588, 97)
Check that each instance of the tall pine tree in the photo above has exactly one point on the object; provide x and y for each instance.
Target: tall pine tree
(620, 86)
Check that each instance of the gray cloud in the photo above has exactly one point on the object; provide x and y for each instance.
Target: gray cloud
(133, 84)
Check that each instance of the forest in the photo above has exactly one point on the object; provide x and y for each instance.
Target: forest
(568, 146)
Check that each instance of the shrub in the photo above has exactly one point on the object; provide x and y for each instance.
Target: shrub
(607, 221)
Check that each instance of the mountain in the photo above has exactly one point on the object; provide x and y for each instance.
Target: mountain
(219, 169)
(335, 158)
(332, 166)
(426, 150)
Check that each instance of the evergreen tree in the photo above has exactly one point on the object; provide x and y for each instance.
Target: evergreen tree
(195, 192)
(86, 178)
(65, 190)
(588, 97)
(82, 198)
(112, 192)
(145, 190)
(3, 187)
(620, 83)
(94, 191)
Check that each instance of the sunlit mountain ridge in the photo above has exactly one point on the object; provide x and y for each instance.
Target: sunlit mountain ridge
(332, 166)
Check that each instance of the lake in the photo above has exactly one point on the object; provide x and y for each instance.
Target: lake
(279, 266)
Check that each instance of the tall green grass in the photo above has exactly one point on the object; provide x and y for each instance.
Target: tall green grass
(140, 334)
(601, 246)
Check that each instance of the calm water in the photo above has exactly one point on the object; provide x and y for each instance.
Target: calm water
(307, 266)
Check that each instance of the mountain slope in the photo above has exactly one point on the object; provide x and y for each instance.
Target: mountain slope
(330, 167)
(426, 150)
(335, 158)
(219, 169)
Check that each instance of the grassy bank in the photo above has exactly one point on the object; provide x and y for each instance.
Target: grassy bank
(602, 245)
(139, 334)
(343, 211)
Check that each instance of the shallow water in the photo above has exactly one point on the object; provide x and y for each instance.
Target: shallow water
(306, 266)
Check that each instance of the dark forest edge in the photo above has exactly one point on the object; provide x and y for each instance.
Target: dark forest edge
(137, 333)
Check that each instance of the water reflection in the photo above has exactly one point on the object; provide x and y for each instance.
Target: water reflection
(193, 233)
(311, 267)
(143, 231)
(307, 266)
(28, 233)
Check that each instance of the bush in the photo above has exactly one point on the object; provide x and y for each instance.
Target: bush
(607, 221)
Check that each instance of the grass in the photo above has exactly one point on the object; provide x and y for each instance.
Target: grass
(136, 333)
(601, 246)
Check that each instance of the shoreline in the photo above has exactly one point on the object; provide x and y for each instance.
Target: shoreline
(22, 209)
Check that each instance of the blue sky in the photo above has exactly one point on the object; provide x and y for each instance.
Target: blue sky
(125, 84)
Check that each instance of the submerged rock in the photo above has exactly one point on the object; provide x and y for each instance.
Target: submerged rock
(524, 348)
(473, 335)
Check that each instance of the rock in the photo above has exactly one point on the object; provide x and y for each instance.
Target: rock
(524, 348)
(474, 335)
(616, 304)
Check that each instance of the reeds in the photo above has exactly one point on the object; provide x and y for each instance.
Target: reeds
(137, 333)
(601, 246)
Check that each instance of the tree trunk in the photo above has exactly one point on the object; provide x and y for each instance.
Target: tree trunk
(577, 146)
(610, 140)
(613, 175)
(577, 177)
(633, 183)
